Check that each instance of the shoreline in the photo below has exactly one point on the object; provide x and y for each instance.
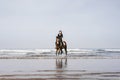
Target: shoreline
(61, 57)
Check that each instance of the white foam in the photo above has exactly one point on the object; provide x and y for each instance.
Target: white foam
(43, 50)
(11, 52)
(49, 51)
(80, 50)
(112, 50)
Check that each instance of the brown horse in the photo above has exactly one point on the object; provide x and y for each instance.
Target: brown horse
(60, 46)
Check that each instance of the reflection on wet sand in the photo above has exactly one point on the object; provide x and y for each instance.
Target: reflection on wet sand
(61, 63)
(61, 68)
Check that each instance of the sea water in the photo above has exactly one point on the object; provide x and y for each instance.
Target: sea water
(25, 52)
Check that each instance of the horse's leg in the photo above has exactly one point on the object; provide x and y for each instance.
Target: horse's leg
(65, 49)
(61, 51)
(56, 52)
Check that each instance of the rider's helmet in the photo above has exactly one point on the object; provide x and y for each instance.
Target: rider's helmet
(60, 31)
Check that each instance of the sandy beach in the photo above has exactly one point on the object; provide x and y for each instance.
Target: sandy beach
(60, 68)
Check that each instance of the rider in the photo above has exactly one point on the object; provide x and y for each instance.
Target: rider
(60, 36)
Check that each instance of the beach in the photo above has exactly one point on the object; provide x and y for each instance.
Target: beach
(85, 33)
(74, 66)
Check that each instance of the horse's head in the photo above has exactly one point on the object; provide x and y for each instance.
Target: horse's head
(57, 42)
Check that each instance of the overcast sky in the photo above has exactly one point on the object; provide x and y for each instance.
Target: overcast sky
(35, 23)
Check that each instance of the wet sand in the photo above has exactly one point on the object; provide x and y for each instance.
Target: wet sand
(60, 68)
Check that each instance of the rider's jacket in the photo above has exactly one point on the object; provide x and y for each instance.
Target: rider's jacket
(60, 36)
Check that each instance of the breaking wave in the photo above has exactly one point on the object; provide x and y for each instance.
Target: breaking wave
(52, 51)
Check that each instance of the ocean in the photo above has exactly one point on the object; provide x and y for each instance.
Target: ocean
(107, 52)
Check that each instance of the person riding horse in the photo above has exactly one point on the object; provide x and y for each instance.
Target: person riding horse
(60, 36)
(60, 44)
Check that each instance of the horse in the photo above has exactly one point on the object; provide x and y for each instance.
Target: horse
(60, 46)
